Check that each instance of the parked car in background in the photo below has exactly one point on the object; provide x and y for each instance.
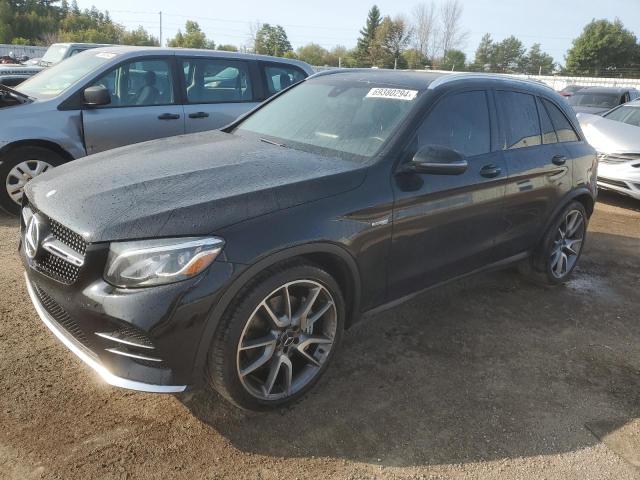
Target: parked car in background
(598, 100)
(238, 257)
(12, 80)
(56, 53)
(32, 61)
(114, 96)
(570, 90)
(616, 137)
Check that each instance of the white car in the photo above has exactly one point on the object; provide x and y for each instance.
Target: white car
(616, 137)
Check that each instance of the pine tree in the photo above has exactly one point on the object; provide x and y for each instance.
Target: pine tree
(368, 37)
(485, 54)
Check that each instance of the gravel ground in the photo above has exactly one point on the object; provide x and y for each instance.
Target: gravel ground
(491, 377)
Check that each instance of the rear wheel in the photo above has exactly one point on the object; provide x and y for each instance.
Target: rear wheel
(278, 337)
(561, 247)
(18, 167)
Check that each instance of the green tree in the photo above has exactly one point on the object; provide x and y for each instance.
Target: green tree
(91, 25)
(19, 41)
(603, 47)
(415, 59)
(453, 60)
(508, 55)
(537, 62)
(272, 40)
(193, 37)
(366, 49)
(485, 55)
(139, 37)
(313, 54)
(340, 56)
(227, 48)
(392, 37)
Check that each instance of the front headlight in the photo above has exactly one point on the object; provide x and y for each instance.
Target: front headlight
(146, 263)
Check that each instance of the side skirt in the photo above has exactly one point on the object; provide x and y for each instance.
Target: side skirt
(500, 265)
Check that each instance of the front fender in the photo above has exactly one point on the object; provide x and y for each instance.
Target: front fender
(264, 263)
(63, 129)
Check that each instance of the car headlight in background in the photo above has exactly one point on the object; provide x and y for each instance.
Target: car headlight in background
(146, 263)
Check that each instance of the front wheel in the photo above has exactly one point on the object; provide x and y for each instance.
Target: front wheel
(19, 166)
(278, 337)
(561, 247)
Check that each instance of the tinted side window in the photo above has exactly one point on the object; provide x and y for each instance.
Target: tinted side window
(217, 81)
(548, 132)
(563, 127)
(519, 120)
(139, 83)
(459, 121)
(281, 77)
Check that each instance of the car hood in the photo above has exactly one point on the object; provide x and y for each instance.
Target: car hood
(591, 110)
(610, 136)
(186, 185)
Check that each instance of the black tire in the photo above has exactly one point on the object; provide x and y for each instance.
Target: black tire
(14, 157)
(540, 266)
(222, 370)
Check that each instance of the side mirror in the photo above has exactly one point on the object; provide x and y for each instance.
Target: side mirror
(437, 160)
(96, 96)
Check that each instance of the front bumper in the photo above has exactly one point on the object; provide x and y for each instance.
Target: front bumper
(623, 178)
(89, 357)
(170, 319)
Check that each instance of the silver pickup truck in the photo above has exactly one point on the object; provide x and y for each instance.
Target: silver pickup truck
(11, 75)
(114, 96)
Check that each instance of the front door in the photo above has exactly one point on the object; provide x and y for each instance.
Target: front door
(218, 91)
(142, 107)
(446, 225)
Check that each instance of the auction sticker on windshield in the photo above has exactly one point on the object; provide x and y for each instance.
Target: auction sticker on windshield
(392, 93)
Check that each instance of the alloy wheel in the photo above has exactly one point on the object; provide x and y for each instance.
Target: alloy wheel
(19, 176)
(287, 340)
(567, 244)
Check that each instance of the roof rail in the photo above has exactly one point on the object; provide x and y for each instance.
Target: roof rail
(452, 77)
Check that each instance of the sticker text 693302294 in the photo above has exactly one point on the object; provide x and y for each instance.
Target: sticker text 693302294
(392, 93)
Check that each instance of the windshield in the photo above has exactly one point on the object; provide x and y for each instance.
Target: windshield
(625, 114)
(54, 54)
(53, 81)
(327, 114)
(600, 100)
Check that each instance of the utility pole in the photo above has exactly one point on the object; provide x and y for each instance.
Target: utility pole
(160, 13)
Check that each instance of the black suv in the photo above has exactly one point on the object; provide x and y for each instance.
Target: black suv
(238, 257)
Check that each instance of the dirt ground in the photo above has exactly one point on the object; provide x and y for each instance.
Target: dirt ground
(491, 377)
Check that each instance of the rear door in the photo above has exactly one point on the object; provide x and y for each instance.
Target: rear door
(143, 106)
(539, 173)
(446, 225)
(216, 91)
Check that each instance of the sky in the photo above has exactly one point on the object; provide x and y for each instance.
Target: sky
(552, 23)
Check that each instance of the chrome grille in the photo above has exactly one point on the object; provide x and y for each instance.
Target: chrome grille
(55, 266)
(68, 237)
(615, 158)
(610, 181)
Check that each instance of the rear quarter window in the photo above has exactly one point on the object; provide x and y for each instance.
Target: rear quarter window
(563, 127)
(280, 77)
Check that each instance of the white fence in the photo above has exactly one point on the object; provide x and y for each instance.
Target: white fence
(554, 81)
(22, 50)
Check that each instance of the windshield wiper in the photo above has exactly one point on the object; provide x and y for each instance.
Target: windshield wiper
(271, 142)
(15, 93)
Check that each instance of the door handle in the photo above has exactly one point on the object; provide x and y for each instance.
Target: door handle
(490, 171)
(199, 115)
(168, 116)
(559, 160)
